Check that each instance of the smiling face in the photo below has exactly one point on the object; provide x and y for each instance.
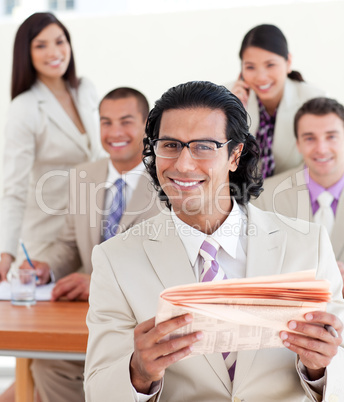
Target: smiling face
(265, 72)
(198, 190)
(50, 53)
(320, 140)
(122, 129)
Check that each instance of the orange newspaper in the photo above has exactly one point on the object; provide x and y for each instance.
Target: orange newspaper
(244, 314)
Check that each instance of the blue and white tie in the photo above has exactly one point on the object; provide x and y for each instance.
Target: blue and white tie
(116, 211)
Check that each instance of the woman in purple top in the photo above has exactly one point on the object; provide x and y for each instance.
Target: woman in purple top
(271, 93)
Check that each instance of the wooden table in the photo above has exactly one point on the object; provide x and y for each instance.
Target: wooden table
(50, 330)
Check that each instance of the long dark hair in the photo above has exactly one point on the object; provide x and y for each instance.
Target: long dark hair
(23, 73)
(270, 38)
(246, 181)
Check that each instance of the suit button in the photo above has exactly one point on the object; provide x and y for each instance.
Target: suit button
(236, 399)
(333, 398)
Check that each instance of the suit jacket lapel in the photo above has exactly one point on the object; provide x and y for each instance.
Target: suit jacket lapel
(89, 117)
(283, 146)
(166, 252)
(171, 264)
(57, 114)
(265, 253)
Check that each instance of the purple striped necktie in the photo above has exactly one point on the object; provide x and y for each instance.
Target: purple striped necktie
(116, 211)
(213, 272)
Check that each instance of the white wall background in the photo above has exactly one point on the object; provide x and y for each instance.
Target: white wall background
(153, 52)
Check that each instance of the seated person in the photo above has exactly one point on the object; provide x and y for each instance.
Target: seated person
(96, 213)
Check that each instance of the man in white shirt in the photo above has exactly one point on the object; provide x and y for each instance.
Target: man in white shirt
(123, 113)
(203, 161)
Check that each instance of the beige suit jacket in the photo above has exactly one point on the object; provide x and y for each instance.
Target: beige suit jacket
(42, 145)
(83, 225)
(287, 194)
(130, 271)
(284, 144)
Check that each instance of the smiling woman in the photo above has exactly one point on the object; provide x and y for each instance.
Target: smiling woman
(271, 93)
(52, 125)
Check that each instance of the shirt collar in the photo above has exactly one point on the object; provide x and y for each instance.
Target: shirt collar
(315, 189)
(131, 177)
(227, 235)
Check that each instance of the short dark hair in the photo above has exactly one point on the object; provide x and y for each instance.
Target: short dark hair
(126, 92)
(23, 72)
(320, 106)
(270, 38)
(246, 181)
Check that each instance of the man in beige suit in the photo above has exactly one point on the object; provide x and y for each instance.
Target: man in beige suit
(123, 114)
(319, 131)
(204, 161)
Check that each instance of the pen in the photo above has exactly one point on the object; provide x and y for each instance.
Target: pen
(331, 330)
(26, 253)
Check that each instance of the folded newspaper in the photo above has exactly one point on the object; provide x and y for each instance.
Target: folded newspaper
(243, 314)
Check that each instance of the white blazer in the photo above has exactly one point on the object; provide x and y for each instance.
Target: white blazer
(42, 144)
(131, 270)
(284, 143)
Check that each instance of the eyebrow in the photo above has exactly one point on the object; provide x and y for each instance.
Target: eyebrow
(43, 40)
(127, 116)
(253, 62)
(326, 132)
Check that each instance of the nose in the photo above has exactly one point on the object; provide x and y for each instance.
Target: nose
(261, 75)
(184, 162)
(53, 50)
(116, 130)
(321, 146)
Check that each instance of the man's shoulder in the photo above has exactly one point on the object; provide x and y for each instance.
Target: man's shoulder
(153, 229)
(94, 165)
(302, 90)
(290, 178)
(270, 222)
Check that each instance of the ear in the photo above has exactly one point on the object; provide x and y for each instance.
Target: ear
(289, 62)
(235, 157)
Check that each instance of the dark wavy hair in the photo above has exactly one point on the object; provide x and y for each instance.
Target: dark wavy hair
(270, 38)
(24, 74)
(246, 181)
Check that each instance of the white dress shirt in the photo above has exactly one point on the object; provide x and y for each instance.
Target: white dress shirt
(131, 179)
(232, 255)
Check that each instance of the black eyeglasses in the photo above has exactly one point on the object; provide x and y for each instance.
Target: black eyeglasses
(199, 149)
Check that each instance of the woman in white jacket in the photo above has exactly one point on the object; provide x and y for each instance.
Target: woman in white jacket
(271, 93)
(52, 126)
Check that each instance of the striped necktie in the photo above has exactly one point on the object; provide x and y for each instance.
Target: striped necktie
(116, 211)
(324, 215)
(213, 272)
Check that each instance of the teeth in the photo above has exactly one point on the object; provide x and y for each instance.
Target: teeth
(119, 144)
(265, 86)
(323, 159)
(55, 62)
(186, 184)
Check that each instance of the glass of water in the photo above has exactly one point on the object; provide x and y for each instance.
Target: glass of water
(23, 287)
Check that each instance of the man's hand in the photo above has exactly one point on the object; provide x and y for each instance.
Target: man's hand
(5, 265)
(153, 354)
(312, 342)
(75, 286)
(42, 270)
(341, 269)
